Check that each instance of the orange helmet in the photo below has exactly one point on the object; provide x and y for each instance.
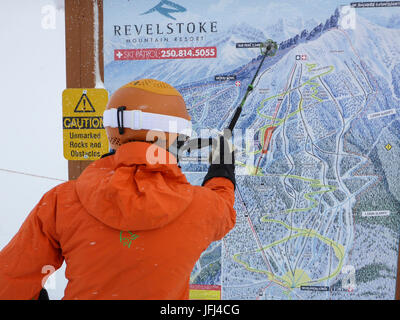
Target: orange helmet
(146, 110)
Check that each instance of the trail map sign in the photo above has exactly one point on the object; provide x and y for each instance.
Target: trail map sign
(83, 130)
(318, 140)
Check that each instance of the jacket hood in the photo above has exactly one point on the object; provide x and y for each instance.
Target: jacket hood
(128, 192)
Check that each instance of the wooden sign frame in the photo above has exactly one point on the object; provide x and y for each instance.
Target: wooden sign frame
(80, 55)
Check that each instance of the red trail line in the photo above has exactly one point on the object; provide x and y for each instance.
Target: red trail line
(278, 106)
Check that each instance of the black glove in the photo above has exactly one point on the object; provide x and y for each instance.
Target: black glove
(43, 295)
(222, 161)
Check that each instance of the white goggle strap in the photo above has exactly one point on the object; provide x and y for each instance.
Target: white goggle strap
(139, 120)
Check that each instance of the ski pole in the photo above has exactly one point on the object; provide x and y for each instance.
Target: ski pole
(268, 48)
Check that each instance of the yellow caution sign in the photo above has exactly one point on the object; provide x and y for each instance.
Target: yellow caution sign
(83, 130)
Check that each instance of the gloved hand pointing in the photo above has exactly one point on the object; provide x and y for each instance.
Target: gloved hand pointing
(222, 160)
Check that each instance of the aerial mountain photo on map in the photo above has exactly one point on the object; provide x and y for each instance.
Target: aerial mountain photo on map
(318, 205)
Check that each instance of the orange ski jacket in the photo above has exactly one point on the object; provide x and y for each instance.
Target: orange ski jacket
(126, 228)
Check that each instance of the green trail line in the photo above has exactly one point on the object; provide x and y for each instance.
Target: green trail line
(280, 121)
(271, 276)
(314, 183)
(251, 169)
(314, 87)
(295, 281)
(337, 248)
(300, 277)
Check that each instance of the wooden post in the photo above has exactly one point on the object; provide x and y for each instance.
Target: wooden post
(80, 57)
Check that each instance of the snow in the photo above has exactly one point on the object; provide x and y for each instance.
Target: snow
(32, 79)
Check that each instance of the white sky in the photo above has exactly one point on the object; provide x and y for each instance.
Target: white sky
(32, 79)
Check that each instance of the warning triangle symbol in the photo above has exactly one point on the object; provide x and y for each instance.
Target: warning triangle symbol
(84, 104)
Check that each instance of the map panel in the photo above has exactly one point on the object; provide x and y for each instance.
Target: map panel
(318, 140)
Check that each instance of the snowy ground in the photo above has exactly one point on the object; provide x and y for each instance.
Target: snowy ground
(32, 78)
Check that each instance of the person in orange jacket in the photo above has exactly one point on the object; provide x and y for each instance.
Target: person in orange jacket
(131, 226)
